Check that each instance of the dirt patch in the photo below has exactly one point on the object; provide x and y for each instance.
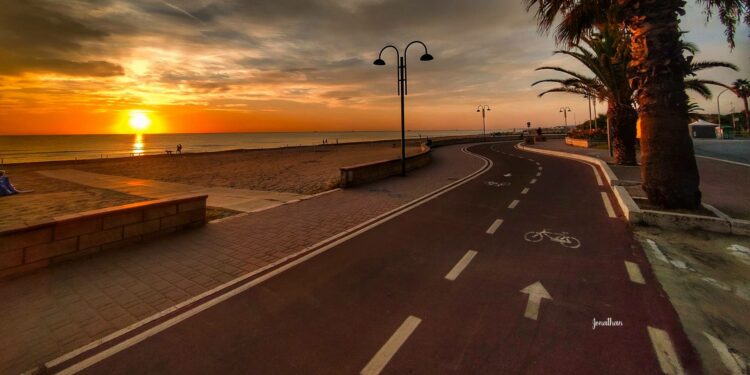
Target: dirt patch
(707, 278)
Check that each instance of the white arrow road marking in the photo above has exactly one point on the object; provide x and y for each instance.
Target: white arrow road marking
(665, 352)
(536, 292)
(734, 363)
(494, 226)
(525, 191)
(533, 181)
(608, 205)
(513, 204)
(461, 265)
(384, 355)
(634, 272)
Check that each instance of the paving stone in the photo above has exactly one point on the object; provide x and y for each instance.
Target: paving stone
(155, 272)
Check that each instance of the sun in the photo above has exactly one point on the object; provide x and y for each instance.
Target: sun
(139, 120)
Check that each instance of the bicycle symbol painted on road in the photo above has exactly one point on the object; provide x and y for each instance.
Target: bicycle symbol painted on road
(562, 238)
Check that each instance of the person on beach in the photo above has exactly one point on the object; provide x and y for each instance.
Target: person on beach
(6, 188)
(179, 148)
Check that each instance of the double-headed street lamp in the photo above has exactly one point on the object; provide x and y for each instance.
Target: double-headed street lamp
(565, 111)
(482, 108)
(402, 88)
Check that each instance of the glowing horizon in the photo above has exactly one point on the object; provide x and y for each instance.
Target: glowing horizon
(302, 66)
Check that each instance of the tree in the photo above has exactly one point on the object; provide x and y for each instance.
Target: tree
(741, 88)
(607, 58)
(657, 73)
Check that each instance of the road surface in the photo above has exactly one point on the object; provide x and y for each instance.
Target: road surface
(481, 279)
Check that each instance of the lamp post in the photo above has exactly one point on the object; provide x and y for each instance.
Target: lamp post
(565, 111)
(402, 87)
(481, 108)
(718, 105)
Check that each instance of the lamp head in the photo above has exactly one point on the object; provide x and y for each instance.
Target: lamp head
(426, 57)
(379, 61)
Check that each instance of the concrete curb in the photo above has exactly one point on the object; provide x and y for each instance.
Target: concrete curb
(637, 216)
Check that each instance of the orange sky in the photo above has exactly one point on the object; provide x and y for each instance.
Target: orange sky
(289, 65)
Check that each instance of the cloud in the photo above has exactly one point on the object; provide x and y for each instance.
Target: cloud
(36, 37)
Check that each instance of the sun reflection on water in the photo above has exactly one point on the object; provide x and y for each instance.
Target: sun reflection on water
(138, 145)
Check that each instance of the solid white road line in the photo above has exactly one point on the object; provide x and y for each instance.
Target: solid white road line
(634, 272)
(525, 191)
(724, 160)
(608, 205)
(668, 360)
(733, 362)
(513, 204)
(533, 181)
(459, 267)
(596, 173)
(494, 226)
(389, 349)
(320, 247)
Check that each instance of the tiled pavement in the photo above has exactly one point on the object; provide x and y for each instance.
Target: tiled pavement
(54, 311)
(242, 200)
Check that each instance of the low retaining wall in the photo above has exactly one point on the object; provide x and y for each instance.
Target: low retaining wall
(28, 248)
(585, 143)
(369, 172)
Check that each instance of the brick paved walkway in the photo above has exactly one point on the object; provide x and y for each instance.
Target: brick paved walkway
(243, 200)
(723, 185)
(47, 314)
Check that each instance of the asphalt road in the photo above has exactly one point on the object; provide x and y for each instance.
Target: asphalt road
(408, 297)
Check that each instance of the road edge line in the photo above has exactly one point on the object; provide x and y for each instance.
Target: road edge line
(281, 264)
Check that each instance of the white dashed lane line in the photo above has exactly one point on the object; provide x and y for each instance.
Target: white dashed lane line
(533, 181)
(665, 353)
(596, 173)
(539, 174)
(634, 272)
(608, 206)
(461, 265)
(494, 226)
(525, 191)
(513, 204)
(386, 352)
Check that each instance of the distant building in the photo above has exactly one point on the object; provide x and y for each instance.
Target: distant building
(703, 129)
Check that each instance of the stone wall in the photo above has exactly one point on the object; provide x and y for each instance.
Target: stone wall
(369, 172)
(27, 248)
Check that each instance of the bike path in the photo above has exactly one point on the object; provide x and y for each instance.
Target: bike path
(337, 311)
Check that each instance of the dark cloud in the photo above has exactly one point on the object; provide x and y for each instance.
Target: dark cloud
(36, 37)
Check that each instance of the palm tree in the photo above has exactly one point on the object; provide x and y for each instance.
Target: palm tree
(741, 88)
(607, 58)
(657, 73)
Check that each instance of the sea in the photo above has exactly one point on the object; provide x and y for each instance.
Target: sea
(34, 148)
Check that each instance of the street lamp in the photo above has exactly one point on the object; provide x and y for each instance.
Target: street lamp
(565, 111)
(402, 87)
(481, 108)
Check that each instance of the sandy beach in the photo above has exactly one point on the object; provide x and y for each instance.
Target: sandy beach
(301, 170)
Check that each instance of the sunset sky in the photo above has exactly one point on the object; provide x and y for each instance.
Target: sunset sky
(287, 65)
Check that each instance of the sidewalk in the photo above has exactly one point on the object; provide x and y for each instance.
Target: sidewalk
(54, 311)
(242, 200)
(724, 185)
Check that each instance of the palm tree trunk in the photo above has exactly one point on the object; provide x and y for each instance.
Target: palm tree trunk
(623, 120)
(668, 169)
(747, 118)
